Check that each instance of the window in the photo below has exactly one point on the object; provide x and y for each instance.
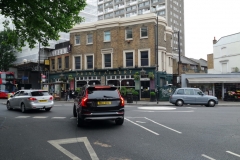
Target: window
(59, 63)
(180, 91)
(107, 36)
(89, 61)
(107, 60)
(189, 92)
(144, 32)
(67, 62)
(144, 58)
(198, 92)
(129, 59)
(129, 33)
(53, 63)
(77, 62)
(89, 39)
(77, 40)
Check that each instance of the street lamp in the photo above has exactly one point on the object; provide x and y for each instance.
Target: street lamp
(24, 62)
(179, 54)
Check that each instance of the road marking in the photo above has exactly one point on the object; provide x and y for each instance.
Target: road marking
(191, 107)
(58, 117)
(39, 117)
(134, 117)
(233, 153)
(156, 108)
(73, 117)
(140, 122)
(207, 157)
(57, 143)
(166, 111)
(142, 127)
(163, 125)
(22, 116)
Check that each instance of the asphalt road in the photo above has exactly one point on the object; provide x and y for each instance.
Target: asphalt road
(148, 133)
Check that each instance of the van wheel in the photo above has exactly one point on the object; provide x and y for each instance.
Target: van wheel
(74, 111)
(9, 106)
(179, 103)
(23, 108)
(211, 103)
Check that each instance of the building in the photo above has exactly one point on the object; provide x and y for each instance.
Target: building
(28, 59)
(112, 51)
(226, 55)
(172, 10)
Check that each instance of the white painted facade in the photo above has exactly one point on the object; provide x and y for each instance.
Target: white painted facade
(226, 55)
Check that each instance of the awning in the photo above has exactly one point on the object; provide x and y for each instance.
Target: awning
(214, 80)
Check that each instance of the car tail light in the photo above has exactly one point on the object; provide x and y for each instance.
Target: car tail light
(51, 98)
(32, 99)
(84, 100)
(121, 102)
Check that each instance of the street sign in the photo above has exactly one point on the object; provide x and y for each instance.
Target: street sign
(24, 78)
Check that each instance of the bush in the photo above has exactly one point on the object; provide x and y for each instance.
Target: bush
(123, 91)
(135, 93)
(152, 93)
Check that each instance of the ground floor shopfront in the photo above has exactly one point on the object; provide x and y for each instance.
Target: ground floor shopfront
(117, 77)
(223, 86)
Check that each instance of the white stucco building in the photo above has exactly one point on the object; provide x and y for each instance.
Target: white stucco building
(226, 54)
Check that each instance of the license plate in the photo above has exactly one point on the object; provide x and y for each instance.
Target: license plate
(42, 101)
(104, 102)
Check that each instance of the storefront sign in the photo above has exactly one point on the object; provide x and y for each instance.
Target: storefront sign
(104, 73)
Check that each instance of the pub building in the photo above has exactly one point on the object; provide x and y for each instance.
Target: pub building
(110, 52)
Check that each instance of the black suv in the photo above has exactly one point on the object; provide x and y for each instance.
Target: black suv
(98, 103)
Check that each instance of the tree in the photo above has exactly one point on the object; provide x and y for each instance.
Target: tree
(7, 56)
(41, 20)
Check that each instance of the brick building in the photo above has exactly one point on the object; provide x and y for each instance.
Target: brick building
(112, 51)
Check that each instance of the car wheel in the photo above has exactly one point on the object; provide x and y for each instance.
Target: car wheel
(179, 103)
(23, 108)
(211, 103)
(80, 121)
(119, 121)
(48, 109)
(9, 106)
(74, 111)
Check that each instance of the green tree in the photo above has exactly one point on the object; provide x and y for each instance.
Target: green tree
(7, 56)
(41, 20)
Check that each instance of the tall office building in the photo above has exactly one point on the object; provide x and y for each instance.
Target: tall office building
(172, 10)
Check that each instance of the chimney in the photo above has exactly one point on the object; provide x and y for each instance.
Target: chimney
(214, 41)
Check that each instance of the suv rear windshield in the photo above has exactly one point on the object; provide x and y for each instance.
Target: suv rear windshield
(102, 93)
(40, 93)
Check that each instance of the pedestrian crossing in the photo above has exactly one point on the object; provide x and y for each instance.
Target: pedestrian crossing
(43, 117)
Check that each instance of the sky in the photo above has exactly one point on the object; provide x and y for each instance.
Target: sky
(206, 19)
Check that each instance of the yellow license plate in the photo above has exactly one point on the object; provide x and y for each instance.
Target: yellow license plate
(42, 100)
(104, 102)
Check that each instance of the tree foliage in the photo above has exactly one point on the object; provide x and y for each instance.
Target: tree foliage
(41, 20)
(7, 56)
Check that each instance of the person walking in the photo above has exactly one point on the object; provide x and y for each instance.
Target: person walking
(67, 95)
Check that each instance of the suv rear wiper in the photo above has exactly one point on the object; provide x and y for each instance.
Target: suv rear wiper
(108, 96)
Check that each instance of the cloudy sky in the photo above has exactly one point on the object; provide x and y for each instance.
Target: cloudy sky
(206, 19)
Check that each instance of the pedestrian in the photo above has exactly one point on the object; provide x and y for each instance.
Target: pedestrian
(67, 95)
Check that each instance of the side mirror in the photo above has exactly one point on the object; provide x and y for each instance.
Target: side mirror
(11, 96)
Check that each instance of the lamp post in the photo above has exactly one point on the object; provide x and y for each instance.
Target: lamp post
(24, 62)
(142, 73)
(179, 55)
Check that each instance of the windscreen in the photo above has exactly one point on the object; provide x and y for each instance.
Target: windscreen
(40, 93)
(102, 93)
(7, 88)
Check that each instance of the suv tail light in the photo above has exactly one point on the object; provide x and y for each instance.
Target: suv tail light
(32, 99)
(121, 102)
(51, 98)
(84, 100)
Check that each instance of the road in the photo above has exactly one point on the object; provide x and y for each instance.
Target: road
(148, 133)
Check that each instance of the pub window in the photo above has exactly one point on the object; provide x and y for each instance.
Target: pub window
(77, 60)
(129, 59)
(77, 40)
(107, 36)
(53, 63)
(108, 60)
(59, 63)
(144, 32)
(89, 60)
(144, 58)
(89, 39)
(67, 62)
(129, 33)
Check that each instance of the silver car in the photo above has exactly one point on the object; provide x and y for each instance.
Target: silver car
(192, 96)
(30, 99)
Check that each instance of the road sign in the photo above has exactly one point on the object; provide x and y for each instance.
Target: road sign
(24, 78)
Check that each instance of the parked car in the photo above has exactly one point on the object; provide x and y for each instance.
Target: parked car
(98, 103)
(192, 96)
(30, 99)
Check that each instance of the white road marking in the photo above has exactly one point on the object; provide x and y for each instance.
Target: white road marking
(157, 108)
(233, 153)
(57, 143)
(166, 111)
(191, 107)
(39, 117)
(57, 105)
(73, 117)
(134, 117)
(58, 117)
(142, 127)
(140, 122)
(163, 125)
(22, 116)
(207, 157)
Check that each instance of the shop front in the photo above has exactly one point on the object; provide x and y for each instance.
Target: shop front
(223, 86)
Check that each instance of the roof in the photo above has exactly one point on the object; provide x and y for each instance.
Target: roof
(214, 80)
(184, 60)
(201, 61)
(228, 39)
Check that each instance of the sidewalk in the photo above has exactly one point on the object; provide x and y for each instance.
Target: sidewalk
(166, 103)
